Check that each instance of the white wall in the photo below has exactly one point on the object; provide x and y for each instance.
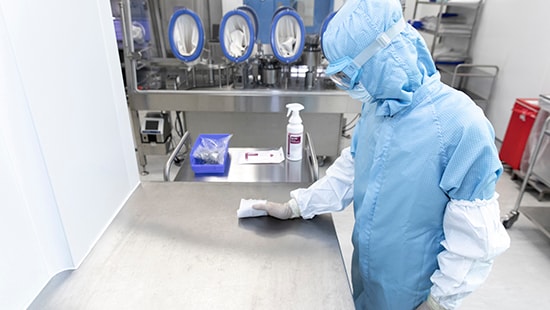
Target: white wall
(513, 35)
(66, 150)
(32, 239)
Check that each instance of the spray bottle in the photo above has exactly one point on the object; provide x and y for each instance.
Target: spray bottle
(294, 132)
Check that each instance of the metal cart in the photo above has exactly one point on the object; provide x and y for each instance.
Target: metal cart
(475, 80)
(303, 171)
(540, 216)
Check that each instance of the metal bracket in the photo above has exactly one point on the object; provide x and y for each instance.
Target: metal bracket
(173, 156)
(134, 55)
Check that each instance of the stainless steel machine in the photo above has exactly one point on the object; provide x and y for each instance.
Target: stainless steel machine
(230, 72)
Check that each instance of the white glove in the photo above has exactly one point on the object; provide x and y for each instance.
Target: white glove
(282, 211)
(186, 35)
(430, 304)
(288, 36)
(236, 36)
(138, 33)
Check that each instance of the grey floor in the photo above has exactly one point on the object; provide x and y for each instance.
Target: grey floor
(521, 276)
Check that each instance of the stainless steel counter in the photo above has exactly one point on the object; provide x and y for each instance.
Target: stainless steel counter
(181, 246)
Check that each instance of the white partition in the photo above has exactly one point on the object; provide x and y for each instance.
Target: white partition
(66, 150)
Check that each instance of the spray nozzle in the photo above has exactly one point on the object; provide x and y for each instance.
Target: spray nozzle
(294, 107)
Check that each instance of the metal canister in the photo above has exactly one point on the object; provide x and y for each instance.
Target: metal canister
(271, 73)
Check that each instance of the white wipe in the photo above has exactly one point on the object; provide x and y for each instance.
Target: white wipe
(246, 210)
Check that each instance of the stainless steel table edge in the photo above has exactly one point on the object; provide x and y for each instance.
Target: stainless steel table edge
(180, 245)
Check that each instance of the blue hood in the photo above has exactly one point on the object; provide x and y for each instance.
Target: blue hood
(392, 75)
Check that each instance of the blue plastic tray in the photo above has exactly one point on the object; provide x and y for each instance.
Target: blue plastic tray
(200, 168)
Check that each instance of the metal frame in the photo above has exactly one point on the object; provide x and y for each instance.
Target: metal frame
(513, 215)
(443, 5)
(461, 73)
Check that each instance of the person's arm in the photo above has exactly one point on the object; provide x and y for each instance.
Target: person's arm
(474, 236)
(333, 192)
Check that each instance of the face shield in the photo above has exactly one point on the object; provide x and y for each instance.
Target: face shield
(346, 72)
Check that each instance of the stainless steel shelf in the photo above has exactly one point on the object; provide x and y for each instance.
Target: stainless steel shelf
(254, 100)
(448, 33)
(286, 171)
(463, 28)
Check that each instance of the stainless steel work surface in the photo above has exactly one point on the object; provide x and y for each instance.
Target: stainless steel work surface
(286, 171)
(180, 245)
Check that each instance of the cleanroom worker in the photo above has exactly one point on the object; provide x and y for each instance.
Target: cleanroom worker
(421, 170)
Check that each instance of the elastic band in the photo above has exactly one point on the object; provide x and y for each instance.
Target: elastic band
(383, 40)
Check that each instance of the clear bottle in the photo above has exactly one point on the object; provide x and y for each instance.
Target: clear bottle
(294, 132)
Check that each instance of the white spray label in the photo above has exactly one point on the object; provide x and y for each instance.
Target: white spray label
(294, 132)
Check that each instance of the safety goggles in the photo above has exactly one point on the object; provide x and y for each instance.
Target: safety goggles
(345, 72)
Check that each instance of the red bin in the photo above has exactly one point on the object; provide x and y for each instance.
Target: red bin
(524, 112)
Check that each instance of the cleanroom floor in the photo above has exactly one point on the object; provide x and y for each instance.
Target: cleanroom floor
(520, 277)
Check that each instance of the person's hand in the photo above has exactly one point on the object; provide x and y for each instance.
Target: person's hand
(430, 304)
(282, 211)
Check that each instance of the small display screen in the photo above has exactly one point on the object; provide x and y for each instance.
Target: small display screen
(151, 125)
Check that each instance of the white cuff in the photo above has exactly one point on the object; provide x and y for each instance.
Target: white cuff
(474, 236)
(293, 204)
